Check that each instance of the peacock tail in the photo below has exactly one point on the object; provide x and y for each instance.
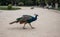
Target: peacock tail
(25, 19)
(18, 19)
(21, 20)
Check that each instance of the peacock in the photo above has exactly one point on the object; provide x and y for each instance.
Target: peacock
(26, 19)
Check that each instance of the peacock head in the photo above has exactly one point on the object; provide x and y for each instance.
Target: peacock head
(36, 14)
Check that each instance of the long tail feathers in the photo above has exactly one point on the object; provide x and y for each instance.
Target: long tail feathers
(13, 22)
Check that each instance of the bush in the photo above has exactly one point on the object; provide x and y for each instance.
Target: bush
(20, 3)
(9, 6)
(32, 7)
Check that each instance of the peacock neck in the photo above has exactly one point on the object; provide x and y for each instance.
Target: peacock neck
(35, 17)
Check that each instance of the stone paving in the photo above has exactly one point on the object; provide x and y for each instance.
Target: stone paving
(47, 24)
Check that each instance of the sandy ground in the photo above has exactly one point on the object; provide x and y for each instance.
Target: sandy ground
(47, 24)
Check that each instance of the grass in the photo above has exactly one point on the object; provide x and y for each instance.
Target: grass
(55, 9)
(5, 8)
(59, 8)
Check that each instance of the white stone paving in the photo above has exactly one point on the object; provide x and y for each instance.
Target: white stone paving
(47, 24)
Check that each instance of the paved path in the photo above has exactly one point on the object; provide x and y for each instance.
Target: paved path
(47, 25)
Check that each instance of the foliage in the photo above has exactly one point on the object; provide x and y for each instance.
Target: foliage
(5, 8)
(9, 7)
(21, 3)
(32, 7)
(26, 2)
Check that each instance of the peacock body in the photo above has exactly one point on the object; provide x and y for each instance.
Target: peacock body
(25, 19)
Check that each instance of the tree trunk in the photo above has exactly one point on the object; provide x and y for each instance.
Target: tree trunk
(56, 5)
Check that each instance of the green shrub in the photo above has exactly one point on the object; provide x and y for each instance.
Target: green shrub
(9, 6)
(20, 3)
(32, 7)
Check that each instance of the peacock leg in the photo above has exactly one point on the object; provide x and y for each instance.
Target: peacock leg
(31, 26)
(24, 26)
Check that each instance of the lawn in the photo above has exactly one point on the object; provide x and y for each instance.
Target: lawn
(6, 8)
(59, 8)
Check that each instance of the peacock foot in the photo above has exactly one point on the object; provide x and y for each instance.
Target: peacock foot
(24, 28)
(33, 27)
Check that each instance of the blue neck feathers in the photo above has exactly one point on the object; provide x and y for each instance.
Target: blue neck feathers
(35, 17)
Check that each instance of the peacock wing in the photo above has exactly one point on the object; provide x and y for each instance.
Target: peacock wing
(24, 18)
(27, 17)
(20, 19)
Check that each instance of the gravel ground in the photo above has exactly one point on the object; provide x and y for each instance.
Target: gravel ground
(47, 24)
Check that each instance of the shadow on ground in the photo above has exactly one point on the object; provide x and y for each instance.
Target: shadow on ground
(19, 28)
